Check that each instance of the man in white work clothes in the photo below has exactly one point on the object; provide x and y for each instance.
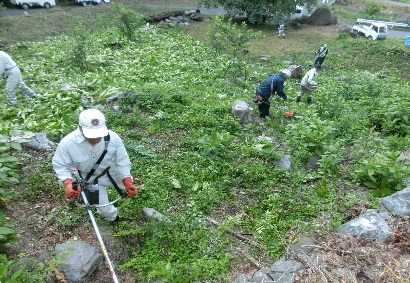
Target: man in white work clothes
(99, 157)
(281, 30)
(307, 85)
(14, 79)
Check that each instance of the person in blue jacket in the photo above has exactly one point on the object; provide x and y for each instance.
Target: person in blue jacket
(273, 84)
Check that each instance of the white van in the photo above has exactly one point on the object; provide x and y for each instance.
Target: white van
(25, 4)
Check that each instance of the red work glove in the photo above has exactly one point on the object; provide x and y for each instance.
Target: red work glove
(130, 189)
(69, 190)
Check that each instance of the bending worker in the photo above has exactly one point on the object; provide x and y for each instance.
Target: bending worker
(273, 84)
(307, 84)
(99, 157)
(14, 79)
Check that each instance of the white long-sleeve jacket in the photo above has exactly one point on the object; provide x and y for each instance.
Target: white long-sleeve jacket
(75, 151)
(307, 80)
(6, 62)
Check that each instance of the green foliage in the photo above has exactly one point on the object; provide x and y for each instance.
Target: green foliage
(7, 234)
(8, 164)
(311, 135)
(41, 181)
(64, 217)
(128, 22)
(259, 11)
(371, 7)
(80, 48)
(382, 172)
(165, 254)
(11, 272)
(231, 38)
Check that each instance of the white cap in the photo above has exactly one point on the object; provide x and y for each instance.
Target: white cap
(286, 73)
(92, 121)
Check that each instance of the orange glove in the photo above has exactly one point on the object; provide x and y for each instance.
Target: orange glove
(69, 190)
(130, 189)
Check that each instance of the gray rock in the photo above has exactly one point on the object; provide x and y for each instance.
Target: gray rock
(344, 273)
(66, 86)
(304, 245)
(240, 279)
(111, 99)
(77, 259)
(285, 162)
(283, 271)
(260, 276)
(240, 109)
(398, 203)
(39, 142)
(312, 163)
(152, 213)
(85, 101)
(369, 225)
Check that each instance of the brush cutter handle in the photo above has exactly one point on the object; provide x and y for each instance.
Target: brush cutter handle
(100, 205)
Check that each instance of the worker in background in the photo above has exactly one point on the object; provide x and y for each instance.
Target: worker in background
(308, 85)
(321, 54)
(273, 84)
(14, 79)
(281, 30)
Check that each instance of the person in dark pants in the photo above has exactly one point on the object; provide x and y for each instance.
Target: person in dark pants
(273, 84)
(321, 54)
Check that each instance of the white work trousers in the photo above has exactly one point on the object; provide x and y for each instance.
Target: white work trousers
(109, 212)
(14, 79)
(281, 33)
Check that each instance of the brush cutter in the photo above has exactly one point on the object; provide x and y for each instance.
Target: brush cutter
(78, 181)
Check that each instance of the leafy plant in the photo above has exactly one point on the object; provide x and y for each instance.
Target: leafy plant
(63, 217)
(8, 164)
(371, 7)
(231, 38)
(311, 135)
(11, 272)
(128, 22)
(382, 173)
(7, 234)
(80, 48)
(260, 11)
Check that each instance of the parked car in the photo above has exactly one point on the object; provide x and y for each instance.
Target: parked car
(93, 2)
(25, 4)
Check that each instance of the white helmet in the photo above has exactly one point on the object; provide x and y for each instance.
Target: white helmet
(286, 73)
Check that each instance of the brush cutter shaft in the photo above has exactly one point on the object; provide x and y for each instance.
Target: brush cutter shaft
(100, 241)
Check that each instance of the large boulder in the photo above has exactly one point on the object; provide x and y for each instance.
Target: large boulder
(321, 17)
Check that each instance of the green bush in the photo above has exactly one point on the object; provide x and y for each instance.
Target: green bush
(128, 22)
(382, 173)
(371, 7)
(8, 164)
(81, 47)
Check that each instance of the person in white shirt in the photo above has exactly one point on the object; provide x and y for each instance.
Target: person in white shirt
(14, 79)
(307, 84)
(281, 30)
(98, 156)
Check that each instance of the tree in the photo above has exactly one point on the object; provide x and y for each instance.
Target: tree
(259, 11)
